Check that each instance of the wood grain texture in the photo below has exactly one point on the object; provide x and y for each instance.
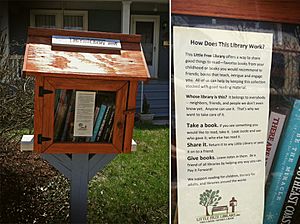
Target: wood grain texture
(24, 61)
(82, 84)
(82, 148)
(42, 60)
(119, 119)
(72, 69)
(47, 126)
(131, 106)
(38, 113)
(262, 10)
(48, 116)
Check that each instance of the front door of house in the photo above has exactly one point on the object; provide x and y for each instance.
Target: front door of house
(148, 27)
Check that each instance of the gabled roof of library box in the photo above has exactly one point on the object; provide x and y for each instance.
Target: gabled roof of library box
(44, 58)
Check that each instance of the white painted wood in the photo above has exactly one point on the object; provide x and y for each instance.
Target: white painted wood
(125, 16)
(133, 146)
(27, 143)
(153, 69)
(86, 42)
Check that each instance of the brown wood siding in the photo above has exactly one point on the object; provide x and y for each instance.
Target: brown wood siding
(263, 10)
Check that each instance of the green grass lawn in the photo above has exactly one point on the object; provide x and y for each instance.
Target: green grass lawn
(134, 188)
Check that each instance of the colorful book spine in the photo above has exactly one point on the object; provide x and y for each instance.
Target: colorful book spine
(290, 213)
(106, 125)
(276, 122)
(284, 165)
(98, 122)
(109, 126)
(96, 114)
(101, 130)
(89, 139)
(68, 117)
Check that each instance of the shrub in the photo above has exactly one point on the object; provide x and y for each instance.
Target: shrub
(16, 97)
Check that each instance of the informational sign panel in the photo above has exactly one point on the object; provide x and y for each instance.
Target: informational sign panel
(221, 102)
(84, 113)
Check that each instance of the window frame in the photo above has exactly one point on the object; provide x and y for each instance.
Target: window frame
(59, 16)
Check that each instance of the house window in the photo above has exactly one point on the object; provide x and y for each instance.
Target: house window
(63, 19)
(73, 22)
(46, 21)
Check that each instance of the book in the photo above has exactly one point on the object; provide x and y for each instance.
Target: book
(64, 107)
(101, 130)
(284, 165)
(68, 116)
(109, 126)
(98, 122)
(88, 139)
(276, 122)
(290, 212)
(111, 135)
(60, 114)
(96, 114)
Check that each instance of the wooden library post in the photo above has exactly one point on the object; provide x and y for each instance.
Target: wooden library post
(85, 101)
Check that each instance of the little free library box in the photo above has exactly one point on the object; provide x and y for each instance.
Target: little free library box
(85, 89)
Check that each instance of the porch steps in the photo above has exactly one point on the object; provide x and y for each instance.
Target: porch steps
(157, 93)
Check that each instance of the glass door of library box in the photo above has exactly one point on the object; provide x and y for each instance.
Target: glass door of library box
(82, 116)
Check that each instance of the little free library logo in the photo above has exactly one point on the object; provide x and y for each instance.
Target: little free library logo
(210, 199)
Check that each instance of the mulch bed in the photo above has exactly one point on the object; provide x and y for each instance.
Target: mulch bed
(31, 191)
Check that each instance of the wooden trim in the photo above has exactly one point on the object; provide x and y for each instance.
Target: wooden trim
(119, 119)
(131, 105)
(82, 148)
(38, 113)
(44, 32)
(47, 124)
(156, 33)
(146, 66)
(295, 51)
(89, 76)
(261, 10)
(82, 84)
(25, 61)
(48, 116)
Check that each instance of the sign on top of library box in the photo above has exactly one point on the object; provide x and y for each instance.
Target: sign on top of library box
(86, 42)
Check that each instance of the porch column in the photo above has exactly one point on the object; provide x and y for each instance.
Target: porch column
(4, 22)
(126, 16)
